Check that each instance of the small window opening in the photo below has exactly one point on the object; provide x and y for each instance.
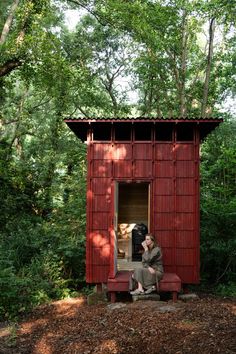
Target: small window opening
(184, 132)
(123, 131)
(163, 131)
(101, 131)
(143, 131)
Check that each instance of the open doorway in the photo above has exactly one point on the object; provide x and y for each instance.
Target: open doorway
(133, 221)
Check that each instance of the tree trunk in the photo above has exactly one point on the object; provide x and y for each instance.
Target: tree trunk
(183, 65)
(158, 109)
(208, 68)
(150, 96)
(16, 137)
(9, 66)
(109, 87)
(7, 25)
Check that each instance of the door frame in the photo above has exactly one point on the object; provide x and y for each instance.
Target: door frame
(114, 216)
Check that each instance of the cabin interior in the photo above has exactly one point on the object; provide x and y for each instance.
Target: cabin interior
(133, 213)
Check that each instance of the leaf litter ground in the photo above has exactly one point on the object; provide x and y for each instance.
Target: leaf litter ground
(206, 325)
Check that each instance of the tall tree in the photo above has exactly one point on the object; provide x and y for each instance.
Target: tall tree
(171, 41)
(103, 59)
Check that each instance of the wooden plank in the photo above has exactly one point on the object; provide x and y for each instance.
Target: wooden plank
(164, 151)
(101, 168)
(122, 169)
(168, 256)
(169, 282)
(164, 203)
(165, 238)
(169, 268)
(185, 186)
(142, 151)
(185, 203)
(100, 221)
(101, 186)
(102, 151)
(186, 239)
(122, 151)
(164, 221)
(100, 256)
(188, 274)
(124, 265)
(185, 256)
(142, 168)
(99, 238)
(101, 203)
(184, 221)
(164, 186)
(164, 169)
(89, 196)
(197, 202)
(184, 151)
(185, 169)
(100, 273)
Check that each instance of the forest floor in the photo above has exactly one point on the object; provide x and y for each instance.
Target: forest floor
(206, 325)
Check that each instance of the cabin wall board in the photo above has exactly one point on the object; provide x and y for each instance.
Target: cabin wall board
(172, 171)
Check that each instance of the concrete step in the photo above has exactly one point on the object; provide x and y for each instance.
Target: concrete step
(153, 297)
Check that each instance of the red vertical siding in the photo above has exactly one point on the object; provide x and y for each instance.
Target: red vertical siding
(122, 152)
(185, 186)
(143, 168)
(172, 170)
(101, 168)
(186, 212)
(184, 151)
(176, 207)
(99, 189)
(101, 151)
(88, 212)
(122, 169)
(164, 151)
(164, 202)
(164, 169)
(163, 186)
(142, 151)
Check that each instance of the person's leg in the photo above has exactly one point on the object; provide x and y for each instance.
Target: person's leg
(138, 291)
(150, 289)
(140, 287)
(132, 282)
(150, 282)
(138, 277)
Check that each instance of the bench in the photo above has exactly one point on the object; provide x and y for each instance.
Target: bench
(169, 283)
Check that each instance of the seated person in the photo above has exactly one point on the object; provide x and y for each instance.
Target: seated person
(148, 276)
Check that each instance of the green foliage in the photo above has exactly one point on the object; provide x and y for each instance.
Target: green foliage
(14, 297)
(48, 73)
(218, 205)
(227, 289)
(43, 180)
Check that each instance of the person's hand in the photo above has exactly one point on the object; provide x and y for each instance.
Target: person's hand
(151, 270)
(144, 245)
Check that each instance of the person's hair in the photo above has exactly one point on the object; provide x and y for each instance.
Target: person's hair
(152, 238)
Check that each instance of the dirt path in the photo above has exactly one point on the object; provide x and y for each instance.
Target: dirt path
(207, 325)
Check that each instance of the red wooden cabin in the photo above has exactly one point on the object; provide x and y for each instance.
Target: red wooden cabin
(143, 170)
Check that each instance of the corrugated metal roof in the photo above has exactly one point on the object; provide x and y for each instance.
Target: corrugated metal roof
(142, 118)
(80, 125)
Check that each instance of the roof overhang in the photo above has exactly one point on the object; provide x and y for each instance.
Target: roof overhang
(80, 125)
